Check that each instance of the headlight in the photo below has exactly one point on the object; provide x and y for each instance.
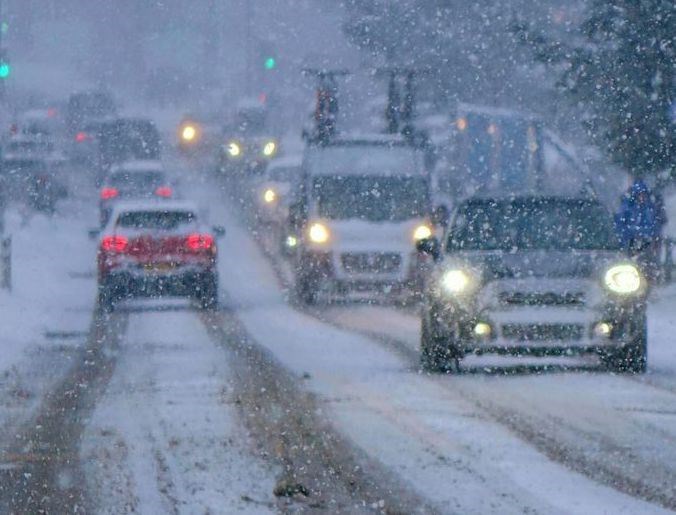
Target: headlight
(234, 149)
(623, 279)
(269, 148)
(189, 133)
(455, 281)
(422, 232)
(318, 233)
(269, 196)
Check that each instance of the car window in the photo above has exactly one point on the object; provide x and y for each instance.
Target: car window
(161, 220)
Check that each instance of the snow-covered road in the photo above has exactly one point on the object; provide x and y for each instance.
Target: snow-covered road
(548, 442)
(162, 408)
(165, 437)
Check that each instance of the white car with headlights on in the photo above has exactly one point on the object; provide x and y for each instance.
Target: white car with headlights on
(363, 203)
(532, 275)
(273, 192)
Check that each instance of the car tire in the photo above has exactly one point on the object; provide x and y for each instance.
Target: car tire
(207, 293)
(438, 353)
(633, 357)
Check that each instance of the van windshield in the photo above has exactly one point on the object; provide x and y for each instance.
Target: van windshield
(374, 199)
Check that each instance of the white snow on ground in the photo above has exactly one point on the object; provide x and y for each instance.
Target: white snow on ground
(164, 438)
(48, 312)
(428, 434)
(53, 288)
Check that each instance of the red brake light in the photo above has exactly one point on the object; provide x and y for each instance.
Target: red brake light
(81, 136)
(114, 243)
(164, 191)
(108, 193)
(199, 241)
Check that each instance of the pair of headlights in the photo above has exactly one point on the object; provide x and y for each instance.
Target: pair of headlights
(319, 233)
(235, 149)
(623, 279)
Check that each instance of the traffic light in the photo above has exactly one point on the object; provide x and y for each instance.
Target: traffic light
(5, 67)
(270, 63)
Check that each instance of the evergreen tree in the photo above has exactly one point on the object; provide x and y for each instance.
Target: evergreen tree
(621, 73)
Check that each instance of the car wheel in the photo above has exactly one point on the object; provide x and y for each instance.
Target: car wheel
(438, 353)
(633, 357)
(207, 293)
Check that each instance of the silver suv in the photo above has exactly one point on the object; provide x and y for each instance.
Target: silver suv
(535, 275)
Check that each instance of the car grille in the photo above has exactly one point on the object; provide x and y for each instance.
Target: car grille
(371, 262)
(539, 332)
(518, 298)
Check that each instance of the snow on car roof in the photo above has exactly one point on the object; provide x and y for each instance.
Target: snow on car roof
(155, 205)
(138, 166)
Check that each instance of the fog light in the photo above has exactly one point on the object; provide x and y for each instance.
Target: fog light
(482, 330)
(603, 329)
(291, 241)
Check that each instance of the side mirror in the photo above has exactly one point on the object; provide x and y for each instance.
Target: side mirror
(429, 246)
(93, 233)
(219, 231)
(440, 216)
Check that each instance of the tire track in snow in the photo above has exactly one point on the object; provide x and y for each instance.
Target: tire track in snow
(47, 475)
(601, 459)
(287, 422)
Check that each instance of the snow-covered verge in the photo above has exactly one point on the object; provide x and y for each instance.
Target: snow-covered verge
(441, 442)
(47, 314)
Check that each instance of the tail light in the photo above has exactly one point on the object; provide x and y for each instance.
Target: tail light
(164, 191)
(108, 193)
(81, 137)
(117, 244)
(198, 241)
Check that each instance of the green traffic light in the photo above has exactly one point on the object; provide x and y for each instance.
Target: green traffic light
(4, 70)
(270, 63)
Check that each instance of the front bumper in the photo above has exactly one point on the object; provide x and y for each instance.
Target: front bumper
(389, 272)
(573, 324)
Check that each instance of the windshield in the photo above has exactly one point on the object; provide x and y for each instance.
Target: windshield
(160, 220)
(532, 225)
(374, 199)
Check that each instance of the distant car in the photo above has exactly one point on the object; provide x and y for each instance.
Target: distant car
(86, 107)
(249, 144)
(153, 249)
(133, 180)
(125, 139)
(84, 114)
(274, 190)
(532, 275)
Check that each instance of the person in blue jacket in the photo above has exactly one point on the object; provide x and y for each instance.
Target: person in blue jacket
(639, 225)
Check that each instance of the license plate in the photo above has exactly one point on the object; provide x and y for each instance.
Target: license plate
(156, 268)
